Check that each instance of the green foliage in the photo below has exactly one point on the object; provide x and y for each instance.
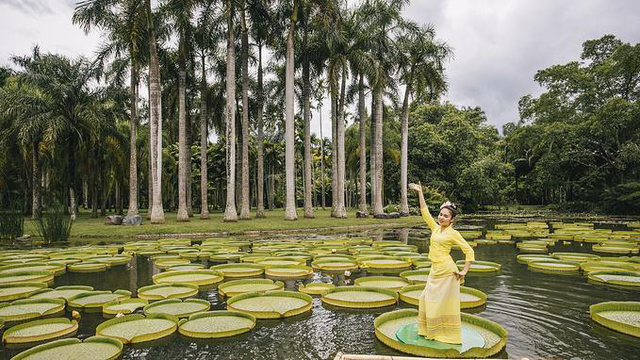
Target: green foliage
(622, 199)
(55, 226)
(457, 155)
(581, 138)
(11, 224)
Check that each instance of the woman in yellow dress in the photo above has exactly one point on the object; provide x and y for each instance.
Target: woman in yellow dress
(439, 309)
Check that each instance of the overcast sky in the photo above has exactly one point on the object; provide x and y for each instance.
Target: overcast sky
(498, 44)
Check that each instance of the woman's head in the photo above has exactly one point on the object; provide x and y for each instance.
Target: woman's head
(448, 213)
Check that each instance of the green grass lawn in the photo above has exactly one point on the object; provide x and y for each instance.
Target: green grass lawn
(88, 227)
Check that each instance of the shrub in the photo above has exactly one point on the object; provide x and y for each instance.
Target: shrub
(11, 224)
(55, 226)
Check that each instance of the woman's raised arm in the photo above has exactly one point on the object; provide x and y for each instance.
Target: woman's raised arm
(426, 215)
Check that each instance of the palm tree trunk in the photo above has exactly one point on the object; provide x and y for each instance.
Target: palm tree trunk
(378, 151)
(372, 151)
(404, 148)
(260, 181)
(341, 212)
(182, 215)
(204, 184)
(290, 212)
(36, 208)
(85, 192)
(362, 110)
(72, 177)
(322, 160)
(188, 182)
(334, 142)
(230, 213)
(155, 112)
(306, 98)
(133, 153)
(244, 203)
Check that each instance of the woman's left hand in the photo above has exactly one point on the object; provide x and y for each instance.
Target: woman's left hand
(460, 275)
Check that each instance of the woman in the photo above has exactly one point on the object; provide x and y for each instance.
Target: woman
(439, 309)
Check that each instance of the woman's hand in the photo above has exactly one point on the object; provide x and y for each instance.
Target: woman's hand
(415, 187)
(460, 274)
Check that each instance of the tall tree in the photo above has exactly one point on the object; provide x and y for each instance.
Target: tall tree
(230, 213)
(155, 120)
(420, 61)
(244, 58)
(290, 212)
(126, 28)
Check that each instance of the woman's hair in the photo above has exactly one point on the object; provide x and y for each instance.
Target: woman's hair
(453, 208)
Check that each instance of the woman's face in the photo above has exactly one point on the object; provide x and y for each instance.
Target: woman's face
(444, 218)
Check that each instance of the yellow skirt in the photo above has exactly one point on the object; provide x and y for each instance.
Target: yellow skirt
(439, 310)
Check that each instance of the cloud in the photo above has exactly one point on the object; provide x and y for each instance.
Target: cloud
(33, 7)
(500, 44)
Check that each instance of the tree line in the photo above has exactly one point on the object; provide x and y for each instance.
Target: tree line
(77, 131)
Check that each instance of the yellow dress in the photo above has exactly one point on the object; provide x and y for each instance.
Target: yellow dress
(439, 308)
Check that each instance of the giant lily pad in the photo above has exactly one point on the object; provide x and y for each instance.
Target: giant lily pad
(316, 288)
(202, 277)
(554, 265)
(388, 324)
(178, 308)
(616, 277)
(335, 264)
(288, 271)
(95, 348)
(26, 276)
(95, 300)
(124, 306)
(29, 308)
(62, 292)
(271, 305)
(216, 324)
(360, 297)
(480, 266)
(88, 267)
(56, 268)
(15, 291)
(392, 283)
(416, 276)
(622, 316)
(239, 269)
(40, 330)
(237, 287)
(167, 291)
(131, 329)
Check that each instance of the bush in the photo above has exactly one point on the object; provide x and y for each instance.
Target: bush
(622, 199)
(11, 224)
(55, 226)
(573, 207)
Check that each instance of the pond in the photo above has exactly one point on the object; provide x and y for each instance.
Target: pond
(546, 315)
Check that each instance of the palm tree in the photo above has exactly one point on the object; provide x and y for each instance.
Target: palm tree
(230, 213)
(290, 212)
(182, 11)
(259, 11)
(420, 63)
(382, 19)
(126, 32)
(244, 56)
(155, 121)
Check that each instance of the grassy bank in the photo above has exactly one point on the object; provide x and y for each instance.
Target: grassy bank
(87, 227)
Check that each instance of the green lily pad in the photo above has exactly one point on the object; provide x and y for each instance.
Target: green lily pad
(29, 308)
(95, 300)
(622, 316)
(124, 306)
(15, 291)
(178, 308)
(167, 291)
(197, 277)
(408, 334)
(62, 292)
(316, 288)
(95, 348)
(26, 276)
(40, 330)
(361, 297)
(237, 287)
(392, 283)
(216, 324)
(132, 329)
(239, 269)
(271, 305)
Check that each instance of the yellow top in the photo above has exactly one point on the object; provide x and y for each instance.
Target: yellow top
(440, 246)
